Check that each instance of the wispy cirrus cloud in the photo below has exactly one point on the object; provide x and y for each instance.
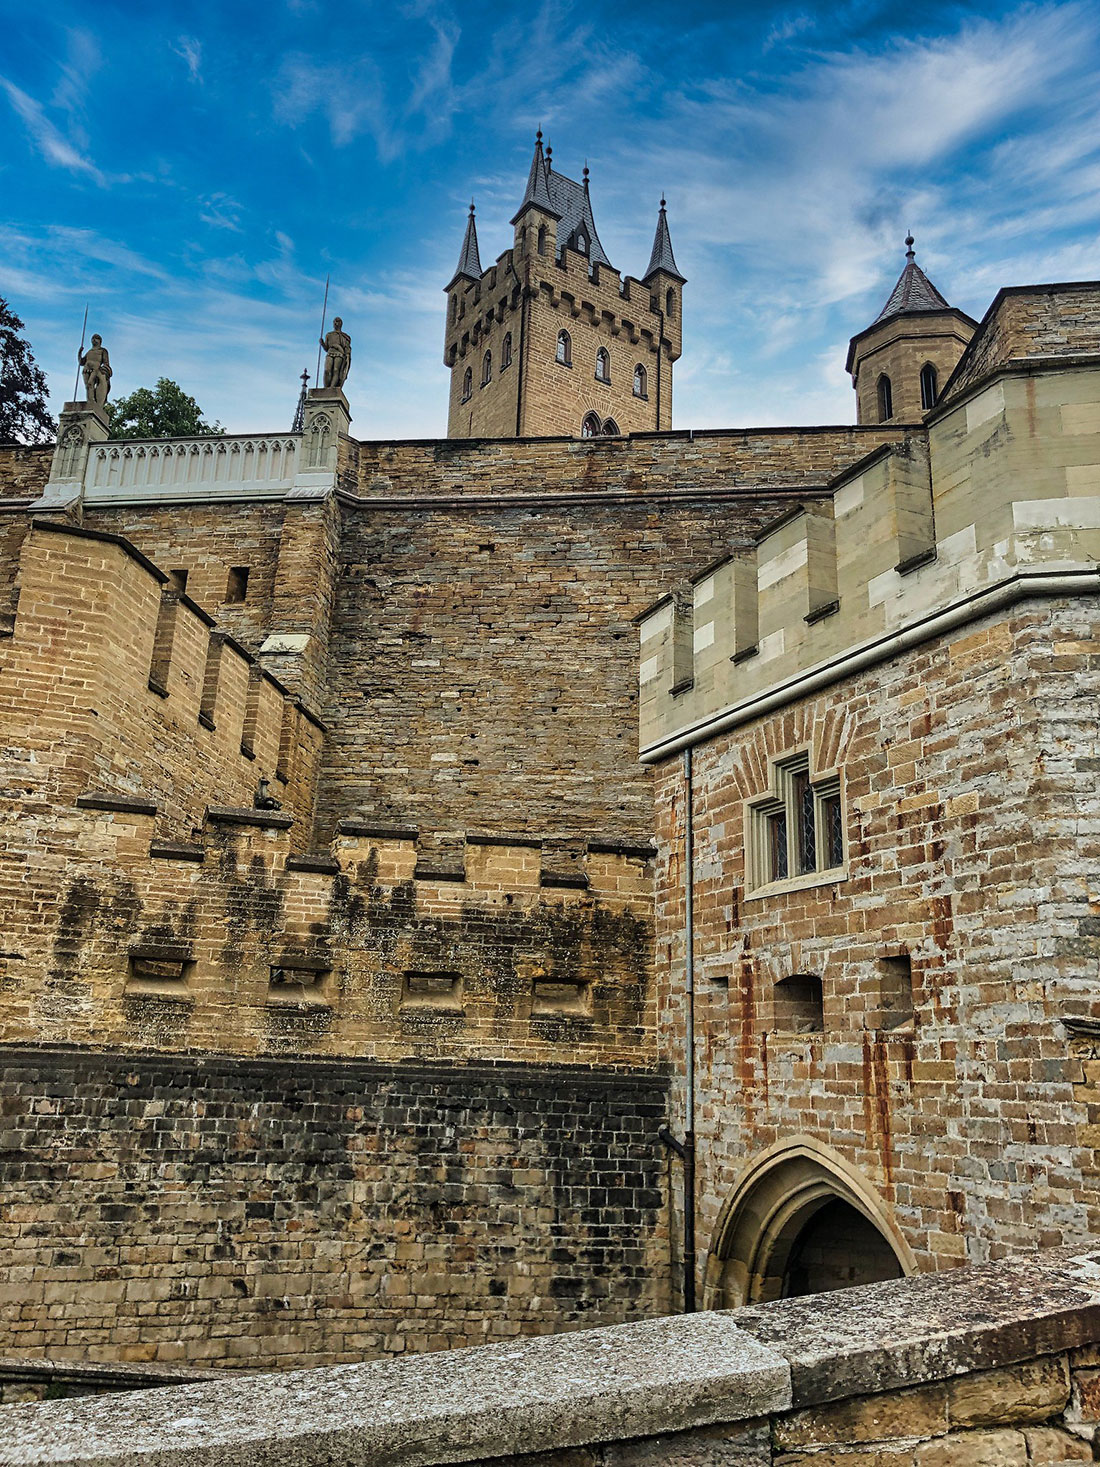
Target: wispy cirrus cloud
(189, 50)
(51, 143)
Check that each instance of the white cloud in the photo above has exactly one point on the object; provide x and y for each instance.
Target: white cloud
(189, 50)
(51, 144)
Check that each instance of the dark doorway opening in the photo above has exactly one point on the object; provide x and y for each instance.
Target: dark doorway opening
(837, 1249)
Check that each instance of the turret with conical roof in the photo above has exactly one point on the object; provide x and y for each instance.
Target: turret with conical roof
(665, 281)
(900, 362)
(551, 339)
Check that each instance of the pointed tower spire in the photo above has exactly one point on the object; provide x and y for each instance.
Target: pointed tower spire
(537, 194)
(300, 411)
(661, 256)
(913, 292)
(469, 261)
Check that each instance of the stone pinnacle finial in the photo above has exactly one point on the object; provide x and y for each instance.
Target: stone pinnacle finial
(909, 252)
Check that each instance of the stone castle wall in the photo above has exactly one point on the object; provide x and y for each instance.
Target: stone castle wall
(256, 1213)
(967, 773)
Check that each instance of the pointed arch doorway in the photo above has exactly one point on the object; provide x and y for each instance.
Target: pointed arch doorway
(800, 1221)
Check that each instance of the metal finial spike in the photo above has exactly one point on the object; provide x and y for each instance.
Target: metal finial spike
(662, 203)
(538, 136)
(909, 252)
(471, 208)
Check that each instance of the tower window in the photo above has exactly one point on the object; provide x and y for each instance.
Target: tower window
(610, 428)
(603, 365)
(591, 426)
(670, 303)
(506, 352)
(564, 353)
(640, 381)
(486, 369)
(467, 384)
(454, 307)
(582, 242)
(885, 399)
(929, 386)
(542, 239)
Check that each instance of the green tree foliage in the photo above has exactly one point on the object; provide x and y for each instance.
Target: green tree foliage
(24, 414)
(164, 411)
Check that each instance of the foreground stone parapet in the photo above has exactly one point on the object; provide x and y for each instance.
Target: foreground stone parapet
(991, 1365)
(456, 1406)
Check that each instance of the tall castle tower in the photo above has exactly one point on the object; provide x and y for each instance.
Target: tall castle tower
(551, 340)
(900, 363)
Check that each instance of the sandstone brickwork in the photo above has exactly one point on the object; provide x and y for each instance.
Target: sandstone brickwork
(232, 1213)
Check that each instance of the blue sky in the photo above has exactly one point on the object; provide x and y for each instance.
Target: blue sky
(194, 171)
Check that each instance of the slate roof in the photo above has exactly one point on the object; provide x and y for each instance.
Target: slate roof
(537, 191)
(913, 292)
(661, 256)
(574, 208)
(469, 261)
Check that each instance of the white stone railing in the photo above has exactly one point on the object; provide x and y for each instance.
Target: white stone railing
(260, 464)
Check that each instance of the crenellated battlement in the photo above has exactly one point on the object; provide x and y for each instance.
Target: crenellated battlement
(997, 499)
(115, 680)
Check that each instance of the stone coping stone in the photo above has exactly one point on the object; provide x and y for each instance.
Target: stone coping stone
(931, 1326)
(495, 1400)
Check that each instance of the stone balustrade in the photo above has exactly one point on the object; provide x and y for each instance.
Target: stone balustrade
(250, 464)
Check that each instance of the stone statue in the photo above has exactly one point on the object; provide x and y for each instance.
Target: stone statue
(95, 366)
(337, 345)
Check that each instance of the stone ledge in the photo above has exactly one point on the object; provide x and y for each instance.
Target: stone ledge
(123, 804)
(230, 815)
(452, 1406)
(882, 1337)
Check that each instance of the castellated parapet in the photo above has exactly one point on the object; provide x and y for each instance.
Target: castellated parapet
(995, 502)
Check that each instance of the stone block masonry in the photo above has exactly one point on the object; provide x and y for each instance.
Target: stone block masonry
(989, 1367)
(248, 1213)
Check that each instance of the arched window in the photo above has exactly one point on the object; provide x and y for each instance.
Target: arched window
(454, 307)
(564, 353)
(467, 384)
(610, 428)
(603, 365)
(590, 428)
(542, 239)
(670, 302)
(582, 241)
(640, 381)
(885, 399)
(929, 386)
(486, 369)
(506, 352)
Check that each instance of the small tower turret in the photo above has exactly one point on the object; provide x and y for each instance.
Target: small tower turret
(900, 362)
(665, 285)
(536, 219)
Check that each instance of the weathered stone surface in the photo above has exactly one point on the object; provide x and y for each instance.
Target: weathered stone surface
(916, 1413)
(597, 1386)
(1034, 1390)
(974, 1449)
(885, 1336)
